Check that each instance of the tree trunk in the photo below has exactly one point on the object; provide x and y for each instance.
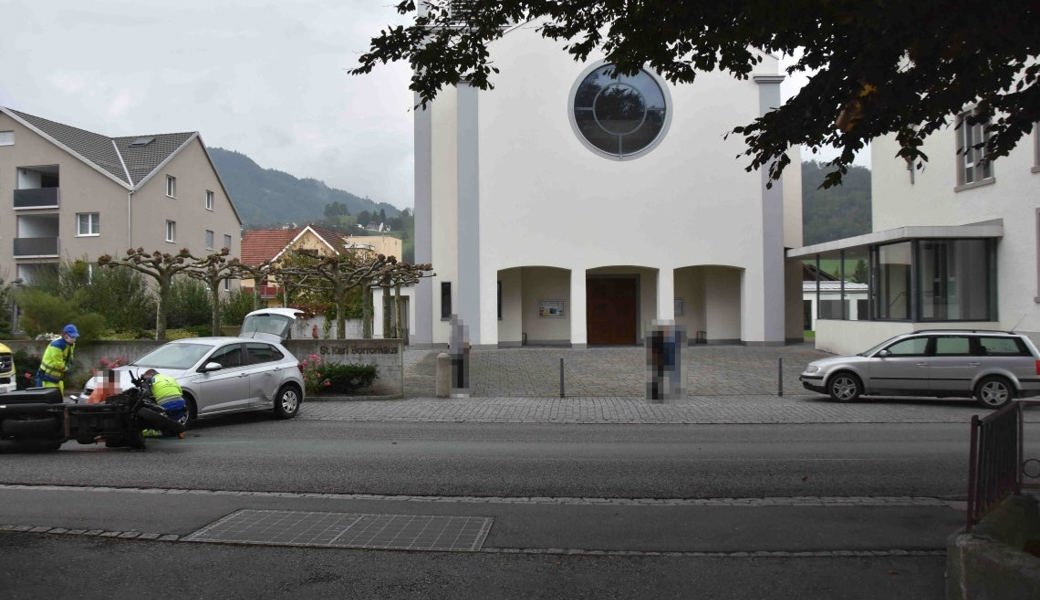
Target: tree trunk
(341, 312)
(388, 331)
(366, 303)
(160, 313)
(398, 316)
(215, 299)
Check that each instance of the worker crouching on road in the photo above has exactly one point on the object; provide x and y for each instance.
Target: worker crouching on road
(168, 394)
(57, 359)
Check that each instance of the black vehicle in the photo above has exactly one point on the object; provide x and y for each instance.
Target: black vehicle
(39, 418)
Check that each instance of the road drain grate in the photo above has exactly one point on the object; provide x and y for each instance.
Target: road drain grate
(347, 530)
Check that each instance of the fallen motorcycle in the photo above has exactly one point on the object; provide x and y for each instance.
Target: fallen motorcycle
(39, 418)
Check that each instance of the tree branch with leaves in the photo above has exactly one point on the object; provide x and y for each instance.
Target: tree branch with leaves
(335, 275)
(874, 68)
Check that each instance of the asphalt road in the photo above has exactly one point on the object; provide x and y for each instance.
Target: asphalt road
(579, 511)
(628, 461)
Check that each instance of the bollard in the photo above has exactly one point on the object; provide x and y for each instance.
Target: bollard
(443, 376)
(561, 378)
(780, 378)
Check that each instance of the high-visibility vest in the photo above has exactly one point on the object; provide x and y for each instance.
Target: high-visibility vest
(55, 359)
(165, 387)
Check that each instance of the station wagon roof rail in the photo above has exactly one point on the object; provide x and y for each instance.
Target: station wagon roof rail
(964, 331)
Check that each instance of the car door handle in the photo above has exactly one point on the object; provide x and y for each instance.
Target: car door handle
(974, 364)
(924, 364)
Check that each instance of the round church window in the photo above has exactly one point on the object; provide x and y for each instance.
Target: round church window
(621, 116)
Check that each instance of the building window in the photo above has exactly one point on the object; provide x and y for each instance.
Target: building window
(227, 241)
(171, 186)
(445, 300)
(209, 200)
(6, 138)
(227, 285)
(973, 166)
(209, 239)
(954, 280)
(88, 224)
(620, 117)
(499, 300)
(171, 231)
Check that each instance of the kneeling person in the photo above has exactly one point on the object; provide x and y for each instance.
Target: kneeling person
(168, 394)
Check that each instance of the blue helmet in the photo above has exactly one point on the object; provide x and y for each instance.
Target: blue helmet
(70, 330)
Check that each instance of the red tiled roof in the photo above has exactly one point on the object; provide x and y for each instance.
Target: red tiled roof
(259, 245)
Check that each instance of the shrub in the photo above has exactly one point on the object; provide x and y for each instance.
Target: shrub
(322, 377)
(25, 367)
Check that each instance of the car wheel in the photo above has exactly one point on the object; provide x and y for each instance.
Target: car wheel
(994, 392)
(287, 402)
(190, 412)
(844, 387)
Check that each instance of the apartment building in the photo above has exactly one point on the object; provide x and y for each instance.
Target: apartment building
(67, 193)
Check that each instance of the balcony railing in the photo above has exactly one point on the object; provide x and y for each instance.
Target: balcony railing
(35, 246)
(37, 198)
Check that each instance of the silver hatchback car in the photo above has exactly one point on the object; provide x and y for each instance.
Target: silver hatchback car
(992, 366)
(221, 375)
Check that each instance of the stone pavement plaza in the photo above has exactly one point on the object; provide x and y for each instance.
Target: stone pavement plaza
(725, 384)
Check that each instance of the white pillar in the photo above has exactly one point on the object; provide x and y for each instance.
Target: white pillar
(579, 326)
(665, 294)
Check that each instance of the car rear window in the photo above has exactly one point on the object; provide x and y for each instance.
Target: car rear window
(1002, 346)
(262, 353)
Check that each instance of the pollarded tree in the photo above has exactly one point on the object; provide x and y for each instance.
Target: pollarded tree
(394, 276)
(160, 266)
(213, 270)
(335, 274)
(875, 68)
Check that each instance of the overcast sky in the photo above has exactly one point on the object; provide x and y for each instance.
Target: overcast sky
(263, 77)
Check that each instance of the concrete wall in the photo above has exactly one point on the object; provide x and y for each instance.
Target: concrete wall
(990, 562)
(853, 337)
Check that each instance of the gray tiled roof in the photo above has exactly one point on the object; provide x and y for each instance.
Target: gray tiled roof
(105, 152)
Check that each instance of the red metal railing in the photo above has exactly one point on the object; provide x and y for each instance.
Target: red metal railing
(996, 466)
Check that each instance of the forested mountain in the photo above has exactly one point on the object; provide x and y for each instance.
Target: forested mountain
(266, 197)
(837, 212)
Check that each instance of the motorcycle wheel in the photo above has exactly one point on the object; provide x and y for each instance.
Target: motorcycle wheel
(156, 420)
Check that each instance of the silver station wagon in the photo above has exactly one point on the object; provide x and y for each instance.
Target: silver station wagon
(992, 366)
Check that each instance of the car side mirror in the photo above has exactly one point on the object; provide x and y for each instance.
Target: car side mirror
(883, 353)
(211, 366)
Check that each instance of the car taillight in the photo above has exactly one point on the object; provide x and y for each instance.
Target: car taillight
(1038, 367)
(300, 367)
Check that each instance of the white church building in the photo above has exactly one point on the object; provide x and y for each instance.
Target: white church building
(567, 207)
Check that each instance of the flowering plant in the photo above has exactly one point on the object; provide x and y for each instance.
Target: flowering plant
(320, 377)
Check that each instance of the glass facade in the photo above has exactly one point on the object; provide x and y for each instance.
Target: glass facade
(919, 280)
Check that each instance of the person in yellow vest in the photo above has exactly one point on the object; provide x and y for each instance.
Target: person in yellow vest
(168, 394)
(57, 359)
